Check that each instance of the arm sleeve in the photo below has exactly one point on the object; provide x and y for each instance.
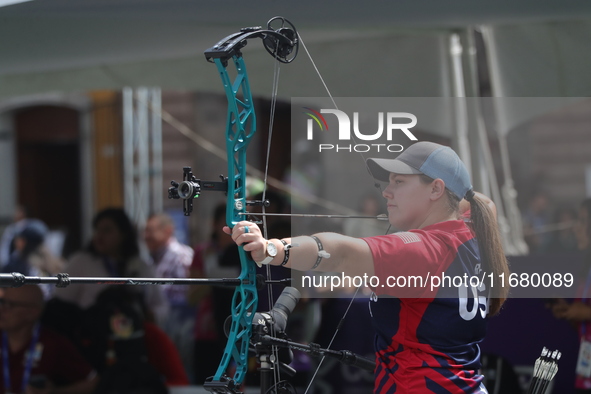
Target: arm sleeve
(406, 261)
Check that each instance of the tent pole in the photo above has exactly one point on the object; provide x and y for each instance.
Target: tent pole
(509, 193)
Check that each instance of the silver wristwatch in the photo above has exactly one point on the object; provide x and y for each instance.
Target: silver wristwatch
(270, 253)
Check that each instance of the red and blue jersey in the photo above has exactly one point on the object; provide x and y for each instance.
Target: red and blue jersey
(427, 338)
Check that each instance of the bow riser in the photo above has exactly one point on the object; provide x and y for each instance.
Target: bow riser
(240, 127)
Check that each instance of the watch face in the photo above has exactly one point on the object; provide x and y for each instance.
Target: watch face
(271, 249)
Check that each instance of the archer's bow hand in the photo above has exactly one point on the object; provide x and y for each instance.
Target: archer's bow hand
(248, 235)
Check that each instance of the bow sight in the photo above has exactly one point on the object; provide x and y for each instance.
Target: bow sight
(192, 187)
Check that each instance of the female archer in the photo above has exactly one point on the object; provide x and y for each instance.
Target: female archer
(426, 336)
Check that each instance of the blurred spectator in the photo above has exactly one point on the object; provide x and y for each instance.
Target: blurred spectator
(20, 222)
(130, 352)
(583, 227)
(535, 219)
(172, 260)
(112, 252)
(579, 311)
(31, 258)
(564, 238)
(216, 258)
(26, 242)
(39, 360)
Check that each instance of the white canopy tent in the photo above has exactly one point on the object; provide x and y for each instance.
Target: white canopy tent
(71, 45)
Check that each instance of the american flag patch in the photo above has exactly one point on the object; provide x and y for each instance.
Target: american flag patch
(407, 237)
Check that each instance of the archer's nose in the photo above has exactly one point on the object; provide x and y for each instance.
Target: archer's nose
(387, 193)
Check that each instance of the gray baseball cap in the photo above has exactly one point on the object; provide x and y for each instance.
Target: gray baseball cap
(428, 158)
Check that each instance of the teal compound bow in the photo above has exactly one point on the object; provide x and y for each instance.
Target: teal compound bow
(282, 43)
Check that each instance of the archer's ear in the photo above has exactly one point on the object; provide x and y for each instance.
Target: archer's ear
(437, 189)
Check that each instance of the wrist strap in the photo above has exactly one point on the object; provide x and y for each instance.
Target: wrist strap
(321, 252)
(286, 248)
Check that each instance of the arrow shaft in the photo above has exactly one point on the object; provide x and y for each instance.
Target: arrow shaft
(311, 215)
